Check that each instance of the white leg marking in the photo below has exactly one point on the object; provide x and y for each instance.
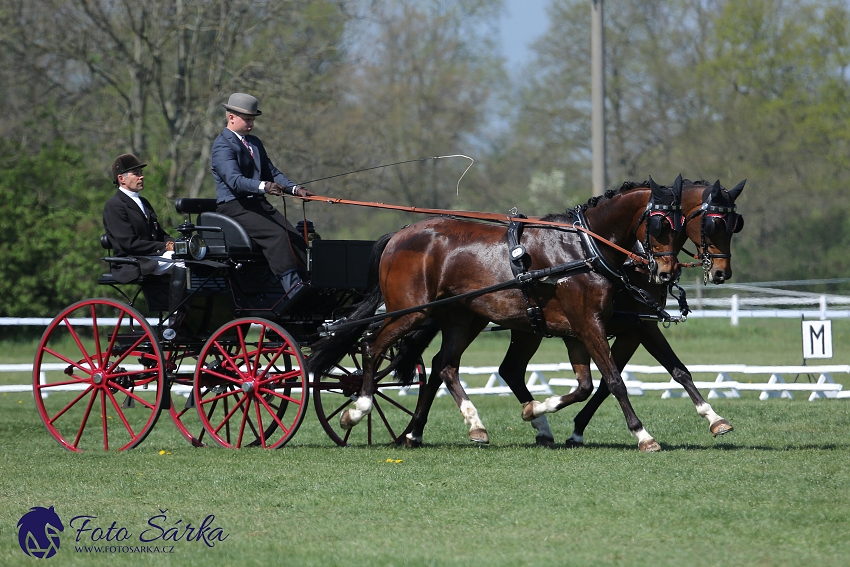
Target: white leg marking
(705, 411)
(414, 438)
(642, 436)
(470, 415)
(549, 405)
(541, 424)
(362, 407)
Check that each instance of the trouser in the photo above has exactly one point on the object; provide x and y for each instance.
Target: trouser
(284, 249)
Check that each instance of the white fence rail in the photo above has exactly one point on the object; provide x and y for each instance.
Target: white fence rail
(781, 381)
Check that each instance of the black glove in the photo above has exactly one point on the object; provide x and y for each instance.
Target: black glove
(275, 189)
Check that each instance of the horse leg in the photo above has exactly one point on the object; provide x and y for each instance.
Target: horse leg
(656, 344)
(622, 351)
(426, 399)
(386, 336)
(458, 333)
(592, 334)
(512, 370)
(580, 360)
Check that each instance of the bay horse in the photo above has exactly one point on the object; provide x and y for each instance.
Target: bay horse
(443, 257)
(710, 220)
(713, 207)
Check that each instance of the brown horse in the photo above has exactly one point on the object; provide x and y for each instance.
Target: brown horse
(698, 199)
(711, 221)
(443, 257)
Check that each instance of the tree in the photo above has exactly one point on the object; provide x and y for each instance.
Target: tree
(49, 230)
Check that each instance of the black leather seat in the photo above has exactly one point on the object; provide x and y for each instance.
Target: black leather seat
(232, 240)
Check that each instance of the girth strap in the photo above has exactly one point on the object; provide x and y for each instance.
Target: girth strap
(520, 262)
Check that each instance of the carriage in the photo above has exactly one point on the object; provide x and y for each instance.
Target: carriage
(234, 373)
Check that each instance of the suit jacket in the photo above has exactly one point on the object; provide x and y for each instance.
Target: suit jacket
(236, 173)
(132, 234)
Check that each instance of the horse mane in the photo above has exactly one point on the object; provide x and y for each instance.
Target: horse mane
(698, 182)
(569, 214)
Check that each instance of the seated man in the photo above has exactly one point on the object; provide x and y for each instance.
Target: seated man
(133, 231)
(243, 175)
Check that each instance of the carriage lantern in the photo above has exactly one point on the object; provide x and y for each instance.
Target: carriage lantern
(189, 245)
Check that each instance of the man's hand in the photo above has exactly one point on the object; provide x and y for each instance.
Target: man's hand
(298, 191)
(169, 246)
(275, 189)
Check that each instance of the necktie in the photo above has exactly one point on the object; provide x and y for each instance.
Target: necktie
(250, 149)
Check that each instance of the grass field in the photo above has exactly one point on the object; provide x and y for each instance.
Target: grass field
(776, 491)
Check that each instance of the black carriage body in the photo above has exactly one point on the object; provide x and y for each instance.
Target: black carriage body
(234, 280)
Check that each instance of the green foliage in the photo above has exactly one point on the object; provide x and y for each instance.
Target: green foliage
(50, 223)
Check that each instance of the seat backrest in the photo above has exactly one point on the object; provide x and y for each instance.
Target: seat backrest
(232, 240)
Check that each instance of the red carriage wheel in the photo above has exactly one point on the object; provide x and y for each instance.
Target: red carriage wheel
(99, 376)
(250, 385)
(393, 402)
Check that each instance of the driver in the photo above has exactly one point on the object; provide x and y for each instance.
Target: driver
(244, 175)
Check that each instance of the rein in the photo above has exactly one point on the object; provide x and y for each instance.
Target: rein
(477, 215)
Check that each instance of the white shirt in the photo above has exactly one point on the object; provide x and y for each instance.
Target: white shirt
(135, 196)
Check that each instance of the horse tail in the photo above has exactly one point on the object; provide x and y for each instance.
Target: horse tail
(410, 350)
(329, 350)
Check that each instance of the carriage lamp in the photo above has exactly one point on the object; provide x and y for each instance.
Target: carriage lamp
(193, 246)
(197, 247)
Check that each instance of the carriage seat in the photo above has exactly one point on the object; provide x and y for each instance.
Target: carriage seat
(231, 241)
(108, 279)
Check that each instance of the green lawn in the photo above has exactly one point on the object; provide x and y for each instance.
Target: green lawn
(773, 492)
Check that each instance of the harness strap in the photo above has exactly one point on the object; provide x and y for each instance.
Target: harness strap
(519, 262)
(477, 215)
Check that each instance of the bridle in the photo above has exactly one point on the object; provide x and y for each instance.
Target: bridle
(655, 216)
(711, 217)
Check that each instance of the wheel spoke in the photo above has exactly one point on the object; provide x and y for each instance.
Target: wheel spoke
(86, 414)
(72, 403)
(120, 413)
(76, 337)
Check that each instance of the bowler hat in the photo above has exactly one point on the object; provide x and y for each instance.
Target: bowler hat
(243, 104)
(125, 163)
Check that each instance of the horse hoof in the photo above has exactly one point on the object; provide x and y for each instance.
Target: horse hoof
(573, 444)
(479, 436)
(345, 421)
(721, 427)
(411, 443)
(649, 446)
(544, 441)
(528, 411)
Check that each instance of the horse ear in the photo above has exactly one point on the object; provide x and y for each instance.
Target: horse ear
(656, 190)
(736, 190)
(716, 190)
(677, 185)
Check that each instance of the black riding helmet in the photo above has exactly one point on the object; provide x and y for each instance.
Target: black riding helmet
(123, 164)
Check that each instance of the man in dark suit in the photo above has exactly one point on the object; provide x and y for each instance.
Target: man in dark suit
(134, 232)
(244, 175)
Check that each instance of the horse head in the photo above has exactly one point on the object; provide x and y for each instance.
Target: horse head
(646, 213)
(718, 221)
(660, 231)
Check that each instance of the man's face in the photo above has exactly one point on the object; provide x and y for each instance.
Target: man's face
(240, 123)
(134, 180)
